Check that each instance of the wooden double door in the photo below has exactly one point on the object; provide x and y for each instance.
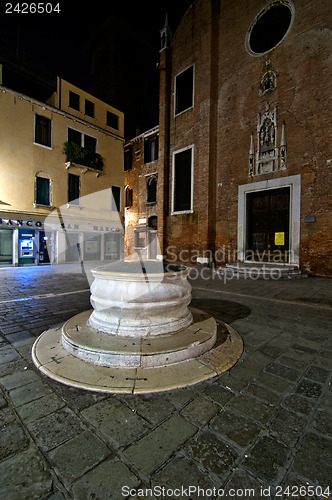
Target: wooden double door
(267, 231)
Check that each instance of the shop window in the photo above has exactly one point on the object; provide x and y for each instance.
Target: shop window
(91, 247)
(128, 197)
(74, 185)
(42, 130)
(112, 120)
(270, 27)
(151, 189)
(151, 149)
(42, 189)
(74, 100)
(116, 199)
(6, 247)
(140, 238)
(182, 194)
(128, 158)
(89, 108)
(112, 247)
(184, 90)
(73, 248)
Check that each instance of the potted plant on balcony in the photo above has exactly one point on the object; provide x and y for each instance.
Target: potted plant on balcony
(82, 156)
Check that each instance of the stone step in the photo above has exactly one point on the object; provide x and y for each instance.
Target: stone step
(261, 270)
(91, 345)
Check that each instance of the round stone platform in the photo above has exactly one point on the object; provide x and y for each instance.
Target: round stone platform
(128, 365)
(97, 347)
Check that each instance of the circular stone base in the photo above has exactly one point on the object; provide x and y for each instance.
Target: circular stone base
(53, 360)
(116, 351)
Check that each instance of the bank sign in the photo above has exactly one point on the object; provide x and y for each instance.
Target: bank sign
(60, 225)
(21, 222)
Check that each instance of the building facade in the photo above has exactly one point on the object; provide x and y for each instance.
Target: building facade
(141, 194)
(245, 134)
(61, 178)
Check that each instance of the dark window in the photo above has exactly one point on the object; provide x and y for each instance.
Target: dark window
(182, 181)
(89, 108)
(270, 28)
(74, 136)
(90, 143)
(43, 130)
(73, 189)
(151, 149)
(128, 197)
(112, 120)
(153, 222)
(151, 189)
(140, 239)
(128, 159)
(116, 199)
(74, 100)
(184, 90)
(42, 191)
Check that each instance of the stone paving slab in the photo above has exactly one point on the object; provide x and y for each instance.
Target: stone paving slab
(151, 451)
(263, 425)
(24, 476)
(77, 456)
(116, 421)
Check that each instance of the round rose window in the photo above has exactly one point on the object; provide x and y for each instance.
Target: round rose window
(270, 27)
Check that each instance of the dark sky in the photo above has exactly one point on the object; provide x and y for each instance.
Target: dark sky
(61, 42)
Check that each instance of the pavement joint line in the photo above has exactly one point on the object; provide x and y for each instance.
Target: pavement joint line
(269, 299)
(245, 295)
(43, 296)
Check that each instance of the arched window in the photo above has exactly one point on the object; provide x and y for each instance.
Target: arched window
(128, 197)
(43, 192)
(153, 222)
(151, 189)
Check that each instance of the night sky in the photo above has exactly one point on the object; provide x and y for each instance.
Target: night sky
(61, 40)
(63, 43)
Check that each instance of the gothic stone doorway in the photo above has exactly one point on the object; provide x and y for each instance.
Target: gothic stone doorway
(268, 224)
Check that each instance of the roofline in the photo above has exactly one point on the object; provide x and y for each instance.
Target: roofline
(139, 137)
(184, 15)
(60, 112)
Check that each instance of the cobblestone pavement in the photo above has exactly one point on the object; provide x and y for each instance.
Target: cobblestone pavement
(262, 430)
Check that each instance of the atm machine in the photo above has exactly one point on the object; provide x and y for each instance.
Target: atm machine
(26, 247)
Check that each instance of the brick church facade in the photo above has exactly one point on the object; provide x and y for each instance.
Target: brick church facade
(243, 171)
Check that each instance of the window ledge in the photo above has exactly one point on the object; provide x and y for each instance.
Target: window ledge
(183, 212)
(83, 168)
(183, 111)
(74, 205)
(149, 162)
(43, 145)
(40, 205)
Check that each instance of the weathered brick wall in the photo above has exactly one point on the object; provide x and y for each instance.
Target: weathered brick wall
(192, 45)
(135, 178)
(227, 101)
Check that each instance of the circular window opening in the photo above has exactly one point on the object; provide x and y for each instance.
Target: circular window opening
(270, 28)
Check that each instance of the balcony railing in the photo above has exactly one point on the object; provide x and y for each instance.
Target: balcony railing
(82, 156)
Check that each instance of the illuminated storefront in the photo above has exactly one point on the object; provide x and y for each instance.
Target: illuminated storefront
(31, 241)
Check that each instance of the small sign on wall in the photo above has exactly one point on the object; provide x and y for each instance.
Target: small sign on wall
(309, 218)
(279, 239)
